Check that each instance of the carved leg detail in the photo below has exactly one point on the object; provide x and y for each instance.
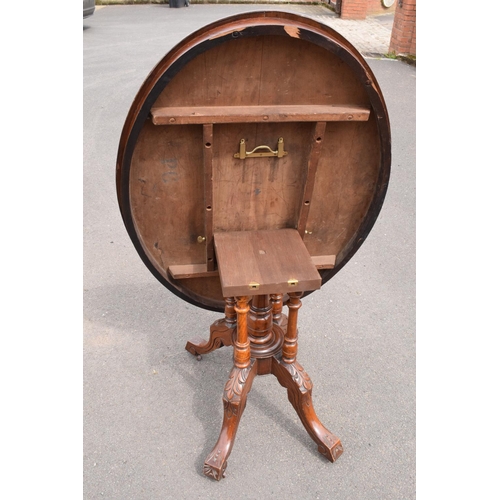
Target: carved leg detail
(221, 332)
(234, 400)
(220, 335)
(299, 386)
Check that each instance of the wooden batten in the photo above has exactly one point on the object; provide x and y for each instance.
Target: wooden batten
(324, 261)
(312, 166)
(186, 271)
(208, 137)
(257, 114)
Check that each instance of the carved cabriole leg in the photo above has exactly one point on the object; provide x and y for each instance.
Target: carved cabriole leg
(234, 401)
(293, 377)
(235, 395)
(221, 332)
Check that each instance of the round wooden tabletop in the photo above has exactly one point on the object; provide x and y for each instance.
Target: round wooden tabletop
(260, 121)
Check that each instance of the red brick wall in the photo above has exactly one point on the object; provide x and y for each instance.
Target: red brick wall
(375, 7)
(404, 29)
(353, 9)
(359, 9)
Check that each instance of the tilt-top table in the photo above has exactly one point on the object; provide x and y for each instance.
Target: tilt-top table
(252, 165)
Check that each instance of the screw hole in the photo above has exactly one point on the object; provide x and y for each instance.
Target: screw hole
(318, 139)
(209, 208)
(306, 202)
(208, 145)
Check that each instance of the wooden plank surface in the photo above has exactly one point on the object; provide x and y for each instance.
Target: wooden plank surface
(258, 193)
(264, 262)
(257, 114)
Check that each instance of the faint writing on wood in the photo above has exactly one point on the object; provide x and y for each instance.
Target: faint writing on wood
(172, 172)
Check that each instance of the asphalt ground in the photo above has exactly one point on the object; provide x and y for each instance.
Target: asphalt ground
(152, 412)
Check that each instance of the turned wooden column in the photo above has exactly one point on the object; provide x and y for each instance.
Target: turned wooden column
(242, 344)
(278, 317)
(260, 321)
(290, 344)
(229, 312)
(265, 336)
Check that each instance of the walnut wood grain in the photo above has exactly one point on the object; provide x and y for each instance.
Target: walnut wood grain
(221, 332)
(208, 137)
(255, 76)
(265, 79)
(299, 387)
(234, 402)
(176, 115)
(324, 261)
(312, 164)
(257, 322)
(264, 262)
(188, 271)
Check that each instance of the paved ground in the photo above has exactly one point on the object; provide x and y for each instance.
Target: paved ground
(370, 36)
(151, 411)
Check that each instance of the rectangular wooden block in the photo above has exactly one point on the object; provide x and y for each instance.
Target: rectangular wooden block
(186, 271)
(264, 262)
(257, 114)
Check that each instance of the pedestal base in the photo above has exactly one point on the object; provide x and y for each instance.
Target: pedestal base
(269, 350)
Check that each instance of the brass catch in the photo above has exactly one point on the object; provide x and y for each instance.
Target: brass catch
(253, 285)
(293, 282)
(265, 151)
